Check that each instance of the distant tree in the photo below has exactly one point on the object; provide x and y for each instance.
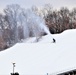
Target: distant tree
(12, 16)
(1, 24)
(3, 43)
(60, 20)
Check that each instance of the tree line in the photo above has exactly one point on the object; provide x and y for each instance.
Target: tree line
(17, 23)
(58, 20)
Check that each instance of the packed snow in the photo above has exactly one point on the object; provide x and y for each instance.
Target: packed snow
(40, 58)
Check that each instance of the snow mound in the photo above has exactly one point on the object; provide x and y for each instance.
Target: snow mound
(41, 58)
(42, 39)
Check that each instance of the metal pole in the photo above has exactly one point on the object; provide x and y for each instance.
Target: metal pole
(13, 67)
(47, 74)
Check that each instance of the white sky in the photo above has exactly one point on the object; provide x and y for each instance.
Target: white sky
(29, 3)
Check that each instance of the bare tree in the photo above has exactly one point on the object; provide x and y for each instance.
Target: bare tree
(12, 15)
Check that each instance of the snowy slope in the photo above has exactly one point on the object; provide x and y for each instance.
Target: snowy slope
(43, 39)
(42, 57)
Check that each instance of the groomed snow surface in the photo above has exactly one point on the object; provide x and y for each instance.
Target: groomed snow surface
(42, 57)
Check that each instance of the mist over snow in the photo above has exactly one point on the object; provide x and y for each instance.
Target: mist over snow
(20, 24)
(41, 58)
(33, 24)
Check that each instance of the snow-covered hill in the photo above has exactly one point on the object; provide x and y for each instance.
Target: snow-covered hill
(42, 57)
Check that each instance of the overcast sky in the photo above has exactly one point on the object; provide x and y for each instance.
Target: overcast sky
(29, 3)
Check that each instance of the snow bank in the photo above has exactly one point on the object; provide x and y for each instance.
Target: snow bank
(41, 58)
